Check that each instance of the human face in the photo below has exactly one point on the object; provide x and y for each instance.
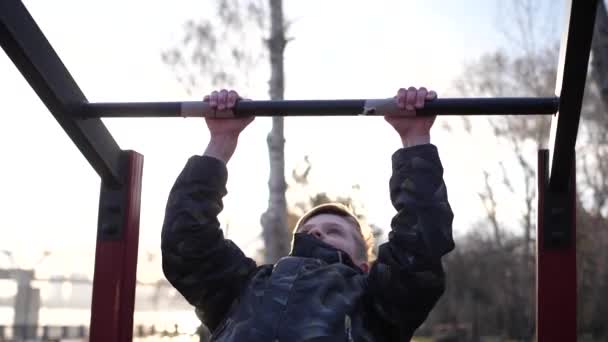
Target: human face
(336, 231)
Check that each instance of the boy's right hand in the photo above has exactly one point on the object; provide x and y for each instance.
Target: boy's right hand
(225, 127)
(224, 132)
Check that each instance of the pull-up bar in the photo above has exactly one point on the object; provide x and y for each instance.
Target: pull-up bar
(447, 106)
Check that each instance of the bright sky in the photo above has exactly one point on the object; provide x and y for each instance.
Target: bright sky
(342, 49)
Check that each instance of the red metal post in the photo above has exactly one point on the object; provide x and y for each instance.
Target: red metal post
(116, 257)
(556, 265)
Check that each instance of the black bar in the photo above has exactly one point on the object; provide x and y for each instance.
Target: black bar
(35, 58)
(571, 78)
(447, 106)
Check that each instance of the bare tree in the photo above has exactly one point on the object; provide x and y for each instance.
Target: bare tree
(307, 199)
(529, 70)
(498, 74)
(220, 49)
(506, 281)
(274, 220)
(600, 51)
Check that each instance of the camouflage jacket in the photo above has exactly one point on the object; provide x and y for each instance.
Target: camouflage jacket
(315, 293)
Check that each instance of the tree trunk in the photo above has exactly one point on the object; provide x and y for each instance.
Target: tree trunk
(599, 48)
(274, 220)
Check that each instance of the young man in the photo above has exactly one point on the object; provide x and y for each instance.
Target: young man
(325, 290)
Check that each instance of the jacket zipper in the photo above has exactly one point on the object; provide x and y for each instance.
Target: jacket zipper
(348, 329)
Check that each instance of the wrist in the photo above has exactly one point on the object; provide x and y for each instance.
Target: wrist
(224, 137)
(413, 140)
(221, 147)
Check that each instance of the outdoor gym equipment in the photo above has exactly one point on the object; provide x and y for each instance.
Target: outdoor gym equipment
(121, 171)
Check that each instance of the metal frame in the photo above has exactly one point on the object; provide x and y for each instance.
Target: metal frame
(556, 227)
(555, 258)
(120, 171)
(35, 58)
(570, 87)
(114, 279)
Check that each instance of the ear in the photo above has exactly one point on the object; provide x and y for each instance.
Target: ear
(364, 266)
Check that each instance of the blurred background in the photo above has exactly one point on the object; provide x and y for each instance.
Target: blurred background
(136, 50)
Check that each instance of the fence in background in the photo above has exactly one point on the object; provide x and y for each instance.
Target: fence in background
(57, 333)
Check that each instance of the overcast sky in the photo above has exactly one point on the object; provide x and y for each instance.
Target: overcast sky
(341, 49)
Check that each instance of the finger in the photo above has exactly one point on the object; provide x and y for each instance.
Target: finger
(221, 101)
(410, 99)
(420, 96)
(401, 98)
(213, 99)
(431, 95)
(233, 97)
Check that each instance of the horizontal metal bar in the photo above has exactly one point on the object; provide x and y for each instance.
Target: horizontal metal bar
(35, 58)
(447, 106)
(570, 86)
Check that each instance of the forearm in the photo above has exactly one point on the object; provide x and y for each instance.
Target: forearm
(414, 140)
(221, 147)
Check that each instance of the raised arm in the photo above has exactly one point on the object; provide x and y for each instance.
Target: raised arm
(407, 279)
(207, 269)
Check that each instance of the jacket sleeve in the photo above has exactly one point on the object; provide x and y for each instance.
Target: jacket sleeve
(207, 269)
(407, 278)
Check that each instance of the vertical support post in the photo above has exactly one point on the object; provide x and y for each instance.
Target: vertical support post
(556, 258)
(27, 306)
(114, 279)
(570, 87)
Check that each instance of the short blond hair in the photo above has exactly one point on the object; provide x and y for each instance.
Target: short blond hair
(364, 238)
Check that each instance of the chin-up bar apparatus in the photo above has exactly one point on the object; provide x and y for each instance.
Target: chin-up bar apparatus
(370, 107)
(121, 171)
